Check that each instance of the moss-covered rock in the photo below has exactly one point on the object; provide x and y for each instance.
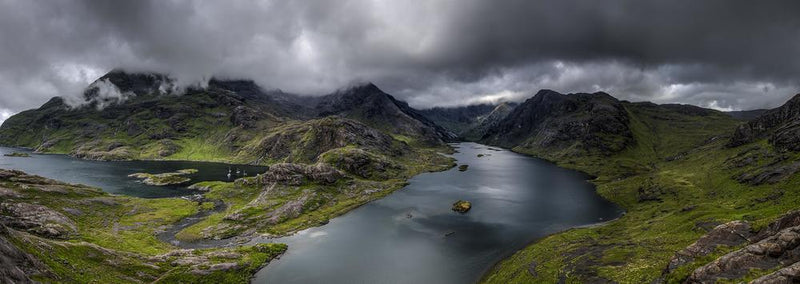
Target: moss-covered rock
(462, 206)
(162, 179)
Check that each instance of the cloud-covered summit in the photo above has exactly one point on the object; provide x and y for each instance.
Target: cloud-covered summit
(721, 54)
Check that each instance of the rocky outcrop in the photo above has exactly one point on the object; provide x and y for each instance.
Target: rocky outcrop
(37, 219)
(305, 142)
(729, 234)
(549, 120)
(775, 247)
(162, 179)
(462, 206)
(361, 163)
(298, 174)
(778, 250)
(781, 125)
(17, 266)
(789, 274)
(768, 174)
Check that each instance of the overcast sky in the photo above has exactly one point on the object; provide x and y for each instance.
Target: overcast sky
(728, 55)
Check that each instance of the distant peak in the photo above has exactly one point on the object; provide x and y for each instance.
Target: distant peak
(545, 92)
(361, 89)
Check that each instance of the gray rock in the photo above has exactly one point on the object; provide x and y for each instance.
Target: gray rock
(775, 251)
(729, 234)
(37, 219)
(297, 174)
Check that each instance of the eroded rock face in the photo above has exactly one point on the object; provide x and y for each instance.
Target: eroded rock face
(596, 122)
(779, 250)
(360, 163)
(781, 125)
(297, 174)
(729, 234)
(789, 274)
(37, 219)
(768, 175)
(16, 266)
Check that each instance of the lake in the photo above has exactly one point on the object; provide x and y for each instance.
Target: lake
(412, 235)
(112, 177)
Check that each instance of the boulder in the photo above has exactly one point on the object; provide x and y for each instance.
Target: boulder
(37, 219)
(729, 234)
(462, 206)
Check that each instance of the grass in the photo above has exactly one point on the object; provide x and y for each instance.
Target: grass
(323, 201)
(116, 238)
(678, 159)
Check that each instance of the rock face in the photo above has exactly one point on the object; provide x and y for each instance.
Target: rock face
(789, 274)
(550, 120)
(37, 219)
(781, 125)
(776, 246)
(16, 266)
(729, 234)
(298, 174)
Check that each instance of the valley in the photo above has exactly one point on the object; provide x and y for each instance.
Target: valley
(319, 172)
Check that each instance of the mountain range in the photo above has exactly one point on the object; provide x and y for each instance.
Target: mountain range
(708, 194)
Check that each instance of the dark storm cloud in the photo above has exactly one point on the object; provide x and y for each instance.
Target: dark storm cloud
(722, 54)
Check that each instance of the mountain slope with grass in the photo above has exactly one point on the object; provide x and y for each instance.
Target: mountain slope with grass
(696, 197)
(124, 116)
(469, 122)
(326, 156)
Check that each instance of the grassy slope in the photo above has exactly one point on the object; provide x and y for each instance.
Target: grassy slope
(331, 201)
(115, 241)
(694, 188)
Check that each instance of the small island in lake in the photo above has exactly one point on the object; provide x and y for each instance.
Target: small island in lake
(462, 206)
(177, 177)
(462, 168)
(17, 154)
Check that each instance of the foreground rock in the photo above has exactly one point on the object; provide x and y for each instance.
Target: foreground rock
(36, 219)
(775, 247)
(729, 234)
(462, 206)
(177, 177)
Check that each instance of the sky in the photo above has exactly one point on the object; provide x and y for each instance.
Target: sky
(727, 55)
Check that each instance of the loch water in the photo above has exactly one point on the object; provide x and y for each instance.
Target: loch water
(412, 235)
(113, 177)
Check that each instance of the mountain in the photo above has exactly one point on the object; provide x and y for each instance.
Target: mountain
(781, 125)
(125, 116)
(325, 155)
(369, 104)
(708, 198)
(469, 122)
(579, 122)
(746, 114)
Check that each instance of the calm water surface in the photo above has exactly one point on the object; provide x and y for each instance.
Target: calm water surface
(113, 177)
(412, 236)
